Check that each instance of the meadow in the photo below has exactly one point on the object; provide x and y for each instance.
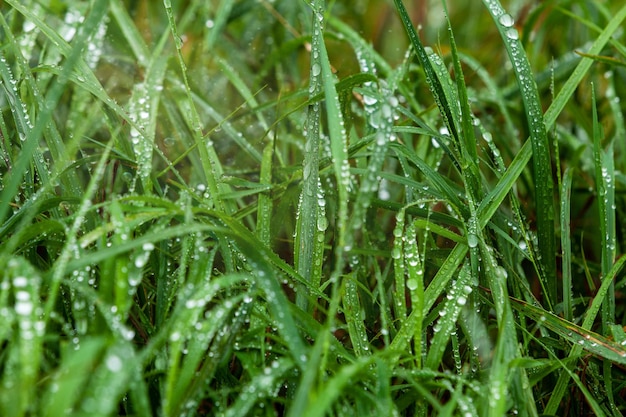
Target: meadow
(312, 208)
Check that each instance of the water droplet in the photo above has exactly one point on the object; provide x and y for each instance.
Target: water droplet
(369, 100)
(472, 240)
(511, 33)
(20, 282)
(28, 26)
(316, 69)
(506, 20)
(114, 363)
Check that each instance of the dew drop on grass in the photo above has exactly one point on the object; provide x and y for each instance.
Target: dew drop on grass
(316, 69)
(411, 284)
(114, 363)
(472, 240)
(28, 26)
(506, 20)
(512, 33)
(20, 281)
(369, 100)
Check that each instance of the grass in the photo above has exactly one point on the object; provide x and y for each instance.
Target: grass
(312, 208)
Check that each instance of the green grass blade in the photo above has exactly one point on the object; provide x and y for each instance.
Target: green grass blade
(73, 58)
(566, 244)
(431, 76)
(467, 141)
(23, 357)
(542, 165)
(352, 309)
(592, 312)
(306, 234)
(338, 139)
(492, 201)
(449, 314)
(211, 165)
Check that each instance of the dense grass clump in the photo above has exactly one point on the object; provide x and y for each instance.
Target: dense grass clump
(309, 208)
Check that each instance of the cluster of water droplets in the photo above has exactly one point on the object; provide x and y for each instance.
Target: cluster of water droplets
(28, 37)
(18, 107)
(139, 112)
(456, 299)
(95, 46)
(27, 306)
(73, 19)
(380, 110)
(449, 90)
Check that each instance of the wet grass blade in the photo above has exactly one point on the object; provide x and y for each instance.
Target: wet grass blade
(306, 233)
(431, 76)
(492, 201)
(445, 325)
(338, 140)
(566, 244)
(542, 165)
(74, 54)
(210, 162)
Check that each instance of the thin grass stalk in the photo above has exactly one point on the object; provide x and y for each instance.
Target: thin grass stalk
(605, 178)
(469, 164)
(566, 244)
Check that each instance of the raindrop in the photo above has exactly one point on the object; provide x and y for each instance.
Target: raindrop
(472, 240)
